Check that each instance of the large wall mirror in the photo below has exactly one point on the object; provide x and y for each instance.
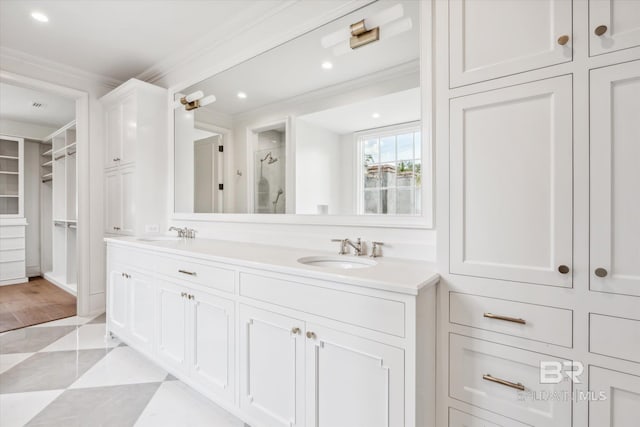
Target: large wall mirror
(326, 124)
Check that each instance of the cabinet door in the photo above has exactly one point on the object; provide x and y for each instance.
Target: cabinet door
(495, 38)
(352, 381)
(615, 398)
(615, 201)
(117, 302)
(613, 25)
(271, 367)
(113, 202)
(511, 183)
(129, 129)
(172, 325)
(113, 134)
(212, 343)
(128, 201)
(141, 311)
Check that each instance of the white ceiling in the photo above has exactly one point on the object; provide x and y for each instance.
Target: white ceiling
(398, 107)
(116, 38)
(16, 103)
(294, 68)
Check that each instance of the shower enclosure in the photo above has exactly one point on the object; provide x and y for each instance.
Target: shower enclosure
(269, 162)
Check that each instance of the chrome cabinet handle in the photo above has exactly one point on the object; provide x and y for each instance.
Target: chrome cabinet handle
(506, 318)
(311, 335)
(183, 294)
(116, 159)
(190, 296)
(116, 228)
(190, 273)
(517, 386)
(295, 331)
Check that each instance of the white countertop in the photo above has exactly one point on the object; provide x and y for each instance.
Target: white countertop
(389, 274)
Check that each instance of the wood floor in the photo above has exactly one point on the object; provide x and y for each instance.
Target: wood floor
(36, 301)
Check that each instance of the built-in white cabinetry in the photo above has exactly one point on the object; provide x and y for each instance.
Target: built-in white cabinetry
(618, 404)
(496, 38)
(538, 142)
(134, 115)
(511, 183)
(613, 25)
(309, 352)
(272, 388)
(615, 178)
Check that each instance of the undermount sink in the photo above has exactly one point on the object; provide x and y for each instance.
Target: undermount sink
(337, 262)
(159, 239)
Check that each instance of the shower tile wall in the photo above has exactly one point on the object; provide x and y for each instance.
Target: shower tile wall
(270, 172)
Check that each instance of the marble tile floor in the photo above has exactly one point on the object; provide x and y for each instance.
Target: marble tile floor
(66, 373)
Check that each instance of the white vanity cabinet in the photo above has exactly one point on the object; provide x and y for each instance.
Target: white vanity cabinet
(309, 352)
(135, 128)
(496, 38)
(195, 332)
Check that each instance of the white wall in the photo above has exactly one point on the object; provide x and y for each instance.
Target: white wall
(32, 206)
(319, 179)
(24, 129)
(268, 33)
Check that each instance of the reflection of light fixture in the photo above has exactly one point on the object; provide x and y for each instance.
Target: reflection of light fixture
(40, 17)
(327, 65)
(242, 95)
(376, 115)
(381, 26)
(194, 100)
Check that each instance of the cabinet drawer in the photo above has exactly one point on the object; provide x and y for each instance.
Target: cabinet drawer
(369, 312)
(130, 257)
(477, 365)
(616, 398)
(462, 419)
(11, 243)
(12, 255)
(614, 336)
(12, 231)
(535, 322)
(12, 270)
(199, 273)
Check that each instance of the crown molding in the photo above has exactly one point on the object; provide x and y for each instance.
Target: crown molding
(208, 44)
(56, 67)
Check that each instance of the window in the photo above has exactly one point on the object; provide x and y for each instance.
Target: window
(391, 170)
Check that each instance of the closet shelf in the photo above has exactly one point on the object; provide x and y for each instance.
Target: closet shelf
(47, 175)
(9, 173)
(49, 163)
(48, 152)
(10, 157)
(9, 196)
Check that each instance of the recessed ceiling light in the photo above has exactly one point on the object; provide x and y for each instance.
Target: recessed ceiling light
(40, 17)
(242, 95)
(375, 115)
(327, 65)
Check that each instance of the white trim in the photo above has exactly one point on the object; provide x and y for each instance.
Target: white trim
(56, 67)
(424, 221)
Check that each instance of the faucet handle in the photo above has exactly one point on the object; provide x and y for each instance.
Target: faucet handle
(343, 245)
(374, 249)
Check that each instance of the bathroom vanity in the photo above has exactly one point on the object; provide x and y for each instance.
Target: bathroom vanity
(280, 336)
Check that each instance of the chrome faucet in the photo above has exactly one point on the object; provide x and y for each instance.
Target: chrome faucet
(181, 231)
(358, 247)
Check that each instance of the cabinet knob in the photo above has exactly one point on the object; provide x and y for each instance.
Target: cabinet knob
(563, 269)
(295, 331)
(191, 297)
(601, 272)
(311, 335)
(600, 30)
(183, 294)
(562, 40)
(116, 159)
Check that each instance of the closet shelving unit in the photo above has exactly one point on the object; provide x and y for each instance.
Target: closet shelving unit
(59, 208)
(10, 176)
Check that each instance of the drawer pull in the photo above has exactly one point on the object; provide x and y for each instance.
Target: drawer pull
(507, 318)
(517, 386)
(311, 335)
(601, 272)
(190, 273)
(600, 30)
(563, 269)
(295, 331)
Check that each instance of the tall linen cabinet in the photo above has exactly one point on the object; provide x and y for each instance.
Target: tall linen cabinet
(135, 161)
(538, 212)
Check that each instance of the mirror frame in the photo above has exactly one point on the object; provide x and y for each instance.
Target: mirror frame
(423, 221)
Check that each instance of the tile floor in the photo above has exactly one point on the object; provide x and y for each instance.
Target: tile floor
(66, 373)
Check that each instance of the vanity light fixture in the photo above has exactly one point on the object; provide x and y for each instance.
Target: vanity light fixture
(327, 65)
(39, 16)
(242, 95)
(381, 26)
(194, 100)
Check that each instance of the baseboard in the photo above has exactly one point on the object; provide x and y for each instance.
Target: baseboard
(13, 281)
